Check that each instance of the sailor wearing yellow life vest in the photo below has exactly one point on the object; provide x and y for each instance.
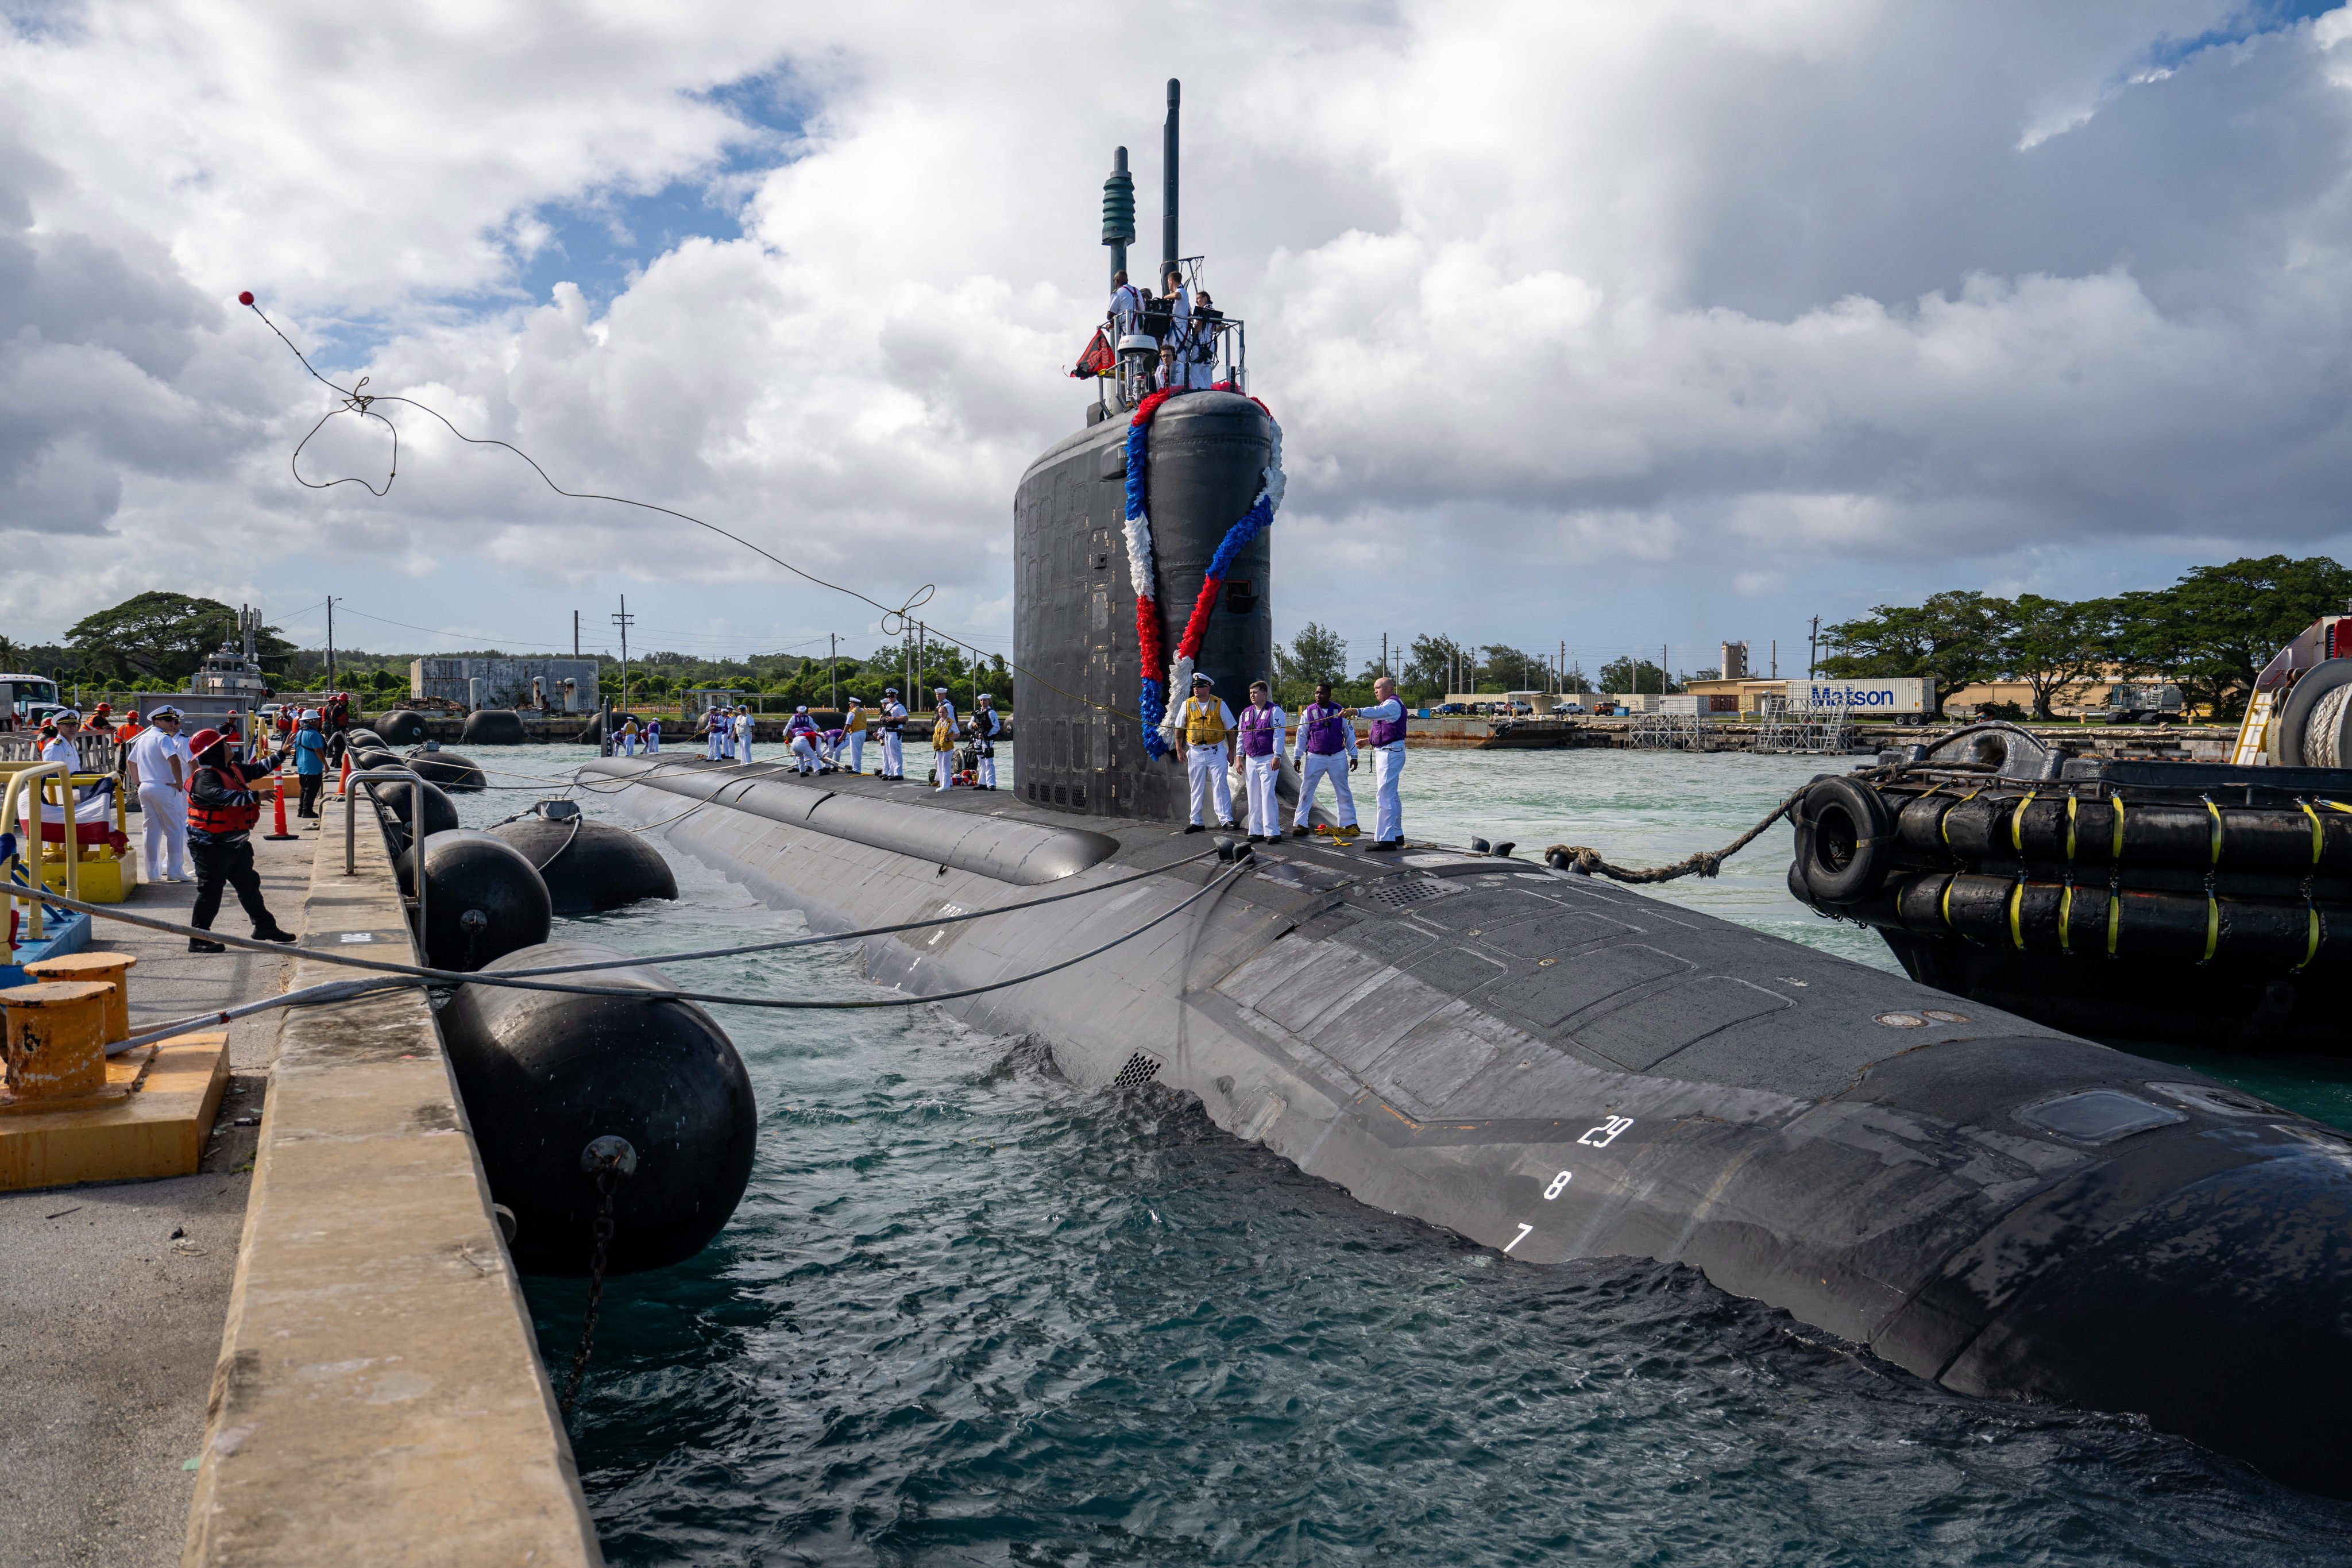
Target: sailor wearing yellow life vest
(1204, 726)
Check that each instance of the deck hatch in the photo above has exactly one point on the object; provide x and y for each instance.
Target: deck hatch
(1402, 895)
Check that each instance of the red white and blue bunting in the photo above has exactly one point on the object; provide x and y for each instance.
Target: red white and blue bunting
(1158, 717)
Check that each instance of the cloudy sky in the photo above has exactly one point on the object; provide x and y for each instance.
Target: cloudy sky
(1610, 324)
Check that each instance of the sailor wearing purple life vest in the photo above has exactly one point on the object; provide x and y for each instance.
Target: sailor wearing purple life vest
(1387, 715)
(1263, 729)
(1324, 732)
(800, 734)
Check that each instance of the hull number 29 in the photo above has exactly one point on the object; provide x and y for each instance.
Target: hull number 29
(1605, 1134)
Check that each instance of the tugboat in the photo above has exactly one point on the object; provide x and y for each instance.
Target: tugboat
(2203, 903)
(1544, 1064)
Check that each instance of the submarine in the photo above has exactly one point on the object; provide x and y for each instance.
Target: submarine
(1542, 1062)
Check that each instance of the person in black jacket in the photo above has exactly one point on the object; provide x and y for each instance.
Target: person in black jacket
(222, 809)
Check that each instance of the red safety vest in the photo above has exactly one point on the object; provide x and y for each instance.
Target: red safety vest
(224, 818)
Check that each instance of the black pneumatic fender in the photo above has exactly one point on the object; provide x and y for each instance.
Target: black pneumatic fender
(494, 727)
(405, 728)
(546, 1074)
(482, 900)
(448, 769)
(1845, 841)
(590, 866)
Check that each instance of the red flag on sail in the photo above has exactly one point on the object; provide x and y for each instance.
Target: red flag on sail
(1097, 360)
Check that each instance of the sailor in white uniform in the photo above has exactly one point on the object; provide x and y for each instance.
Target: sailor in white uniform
(1387, 716)
(851, 753)
(1126, 307)
(1262, 728)
(943, 737)
(1204, 725)
(743, 729)
(894, 734)
(987, 725)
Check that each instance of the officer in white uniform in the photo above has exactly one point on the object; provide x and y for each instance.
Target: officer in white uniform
(894, 734)
(162, 769)
(1260, 755)
(1387, 716)
(1204, 725)
(987, 725)
(63, 749)
(745, 725)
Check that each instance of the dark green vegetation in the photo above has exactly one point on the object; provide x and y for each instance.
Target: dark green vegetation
(2212, 632)
(1424, 672)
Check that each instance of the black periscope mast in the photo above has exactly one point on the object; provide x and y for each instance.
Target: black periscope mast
(2198, 903)
(1550, 1065)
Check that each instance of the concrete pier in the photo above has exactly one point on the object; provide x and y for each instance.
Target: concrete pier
(112, 1297)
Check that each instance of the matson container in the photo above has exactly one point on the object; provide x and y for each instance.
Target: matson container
(1892, 694)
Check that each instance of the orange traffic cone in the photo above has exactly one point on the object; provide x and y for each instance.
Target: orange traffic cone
(281, 776)
(343, 784)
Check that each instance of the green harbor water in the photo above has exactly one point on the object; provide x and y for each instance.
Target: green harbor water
(968, 1313)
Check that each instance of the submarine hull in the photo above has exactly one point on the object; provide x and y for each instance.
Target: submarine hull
(1562, 1069)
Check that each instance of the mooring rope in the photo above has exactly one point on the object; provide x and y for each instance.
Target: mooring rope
(1703, 862)
(525, 980)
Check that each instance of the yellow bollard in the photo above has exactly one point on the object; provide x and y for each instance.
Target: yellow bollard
(104, 968)
(54, 1048)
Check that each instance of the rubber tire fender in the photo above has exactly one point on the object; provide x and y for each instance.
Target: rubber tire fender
(1871, 829)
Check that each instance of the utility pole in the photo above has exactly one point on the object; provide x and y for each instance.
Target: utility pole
(330, 642)
(1776, 658)
(622, 621)
(1814, 653)
(575, 634)
(1662, 669)
(833, 666)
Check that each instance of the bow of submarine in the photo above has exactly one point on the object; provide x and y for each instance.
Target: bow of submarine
(1564, 1069)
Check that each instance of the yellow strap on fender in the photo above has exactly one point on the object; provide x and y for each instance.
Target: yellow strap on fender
(2316, 839)
(2065, 918)
(2115, 851)
(2212, 927)
(2114, 919)
(2017, 825)
(2016, 903)
(1947, 901)
(2311, 948)
(2070, 828)
(2216, 830)
(1944, 823)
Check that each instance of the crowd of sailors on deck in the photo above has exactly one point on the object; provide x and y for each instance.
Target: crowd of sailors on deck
(1222, 754)
(1185, 320)
(728, 734)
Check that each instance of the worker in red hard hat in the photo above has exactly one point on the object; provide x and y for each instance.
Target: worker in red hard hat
(222, 806)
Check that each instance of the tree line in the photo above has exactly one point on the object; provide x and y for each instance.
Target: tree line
(1429, 668)
(154, 641)
(2210, 633)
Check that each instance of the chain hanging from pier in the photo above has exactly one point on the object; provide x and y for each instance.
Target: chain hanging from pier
(1158, 726)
